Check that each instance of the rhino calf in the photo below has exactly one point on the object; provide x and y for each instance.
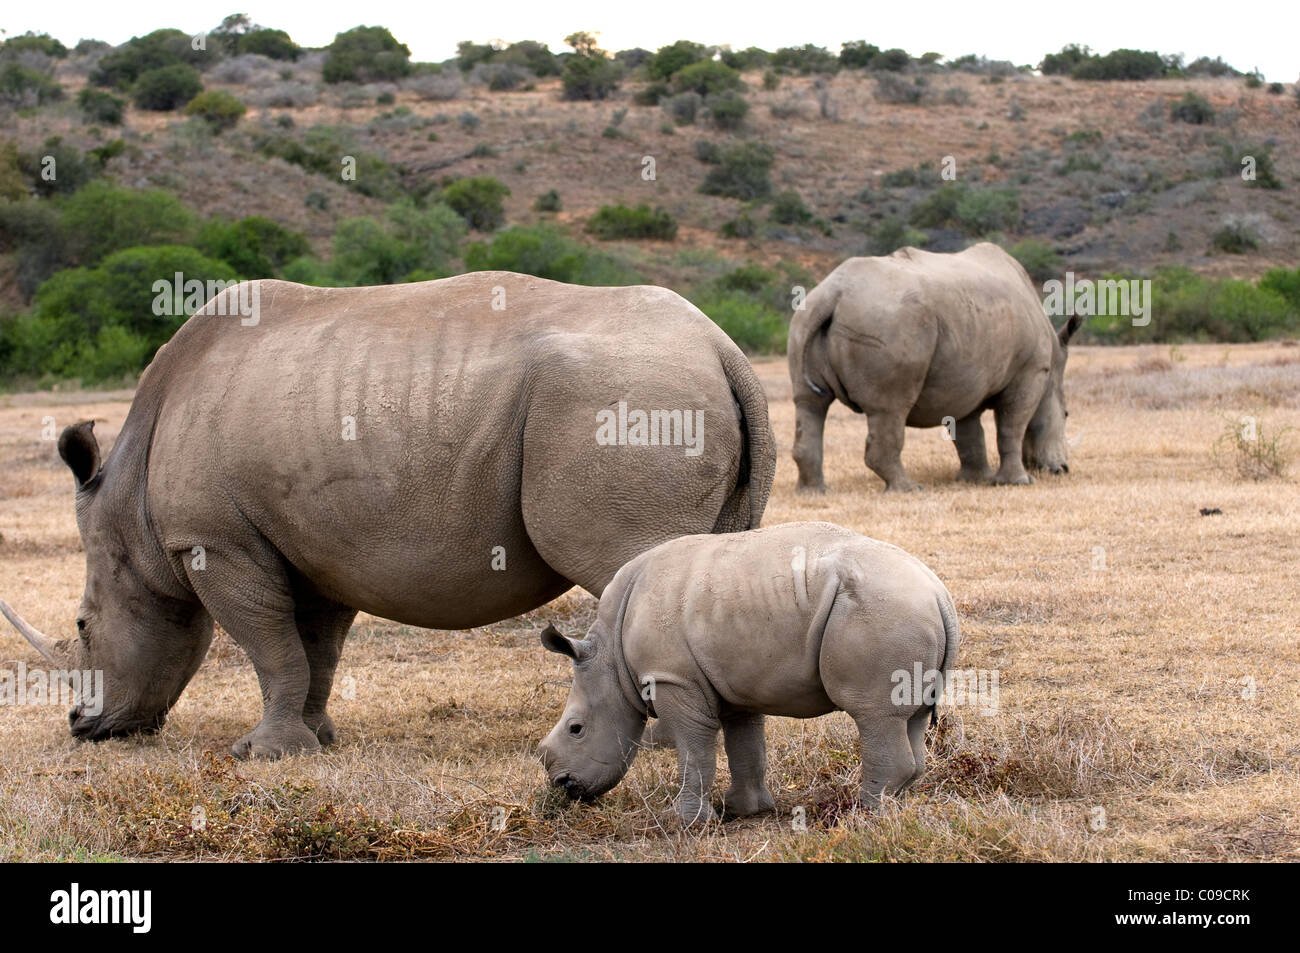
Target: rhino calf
(707, 632)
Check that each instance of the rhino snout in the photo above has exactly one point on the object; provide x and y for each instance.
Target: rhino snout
(99, 727)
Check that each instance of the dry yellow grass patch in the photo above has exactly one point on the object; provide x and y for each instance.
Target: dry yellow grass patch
(1127, 630)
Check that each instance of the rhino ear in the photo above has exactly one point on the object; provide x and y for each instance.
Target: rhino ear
(80, 451)
(555, 641)
(1067, 332)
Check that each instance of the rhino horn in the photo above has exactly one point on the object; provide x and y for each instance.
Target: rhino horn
(55, 652)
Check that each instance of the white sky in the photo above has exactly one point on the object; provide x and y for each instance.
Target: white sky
(1259, 34)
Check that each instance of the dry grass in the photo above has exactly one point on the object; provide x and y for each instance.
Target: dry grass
(1122, 733)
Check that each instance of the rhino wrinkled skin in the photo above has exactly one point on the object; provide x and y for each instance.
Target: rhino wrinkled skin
(709, 632)
(472, 488)
(916, 339)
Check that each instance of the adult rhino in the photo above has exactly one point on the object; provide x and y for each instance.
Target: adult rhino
(427, 453)
(917, 339)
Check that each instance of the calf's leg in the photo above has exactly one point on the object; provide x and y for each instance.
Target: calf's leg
(694, 730)
(742, 736)
(888, 762)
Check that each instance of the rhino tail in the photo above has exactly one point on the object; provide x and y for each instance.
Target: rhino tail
(951, 644)
(805, 328)
(743, 508)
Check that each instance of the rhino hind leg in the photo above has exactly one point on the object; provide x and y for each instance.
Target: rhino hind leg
(809, 430)
(250, 597)
(971, 450)
(884, 451)
(323, 626)
(888, 760)
(742, 736)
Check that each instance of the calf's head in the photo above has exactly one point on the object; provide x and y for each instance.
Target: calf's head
(1044, 447)
(593, 744)
(137, 624)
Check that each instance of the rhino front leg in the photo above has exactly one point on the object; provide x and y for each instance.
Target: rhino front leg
(884, 453)
(1014, 410)
(694, 731)
(972, 452)
(250, 598)
(323, 626)
(809, 428)
(742, 736)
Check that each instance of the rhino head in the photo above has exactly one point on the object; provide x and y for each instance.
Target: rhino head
(137, 624)
(592, 746)
(1045, 447)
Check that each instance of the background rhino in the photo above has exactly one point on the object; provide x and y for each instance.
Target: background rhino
(704, 632)
(914, 338)
(234, 493)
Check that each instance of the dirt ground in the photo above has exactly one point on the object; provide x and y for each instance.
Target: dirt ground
(1147, 658)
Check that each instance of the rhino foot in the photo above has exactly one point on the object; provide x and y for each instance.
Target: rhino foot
(812, 489)
(747, 801)
(975, 476)
(695, 815)
(276, 741)
(903, 486)
(1020, 479)
(326, 734)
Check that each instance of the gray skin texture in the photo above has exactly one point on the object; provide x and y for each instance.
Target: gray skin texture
(475, 428)
(798, 620)
(917, 339)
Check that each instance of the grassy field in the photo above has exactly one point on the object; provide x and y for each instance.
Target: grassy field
(1147, 657)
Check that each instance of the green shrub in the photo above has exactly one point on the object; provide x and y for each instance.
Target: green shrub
(1236, 159)
(122, 67)
(974, 211)
(752, 57)
(365, 54)
(1037, 258)
(619, 221)
(890, 234)
(682, 107)
(1192, 108)
(742, 172)
(727, 110)
(548, 201)
(1121, 64)
(894, 61)
(805, 59)
(31, 42)
(23, 86)
(542, 251)
(677, 56)
(756, 327)
(590, 77)
(707, 151)
(1064, 62)
(57, 168)
(217, 108)
(857, 54)
(788, 209)
(255, 246)
(103, 218)
(274, 44)
(100, 107)
(480, 200)
(707, 77)
(1235, 238)
(100, 323)
(166, 88)
(899, 90)
(742, 226)
(1284, 283)
(411, 241)
(1188, 306)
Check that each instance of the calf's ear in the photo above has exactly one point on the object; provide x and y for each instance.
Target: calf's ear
(555, 641)
(1068, 330)
(80, 451)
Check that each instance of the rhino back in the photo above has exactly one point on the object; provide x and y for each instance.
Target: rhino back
(937, 333)
(377, 436)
